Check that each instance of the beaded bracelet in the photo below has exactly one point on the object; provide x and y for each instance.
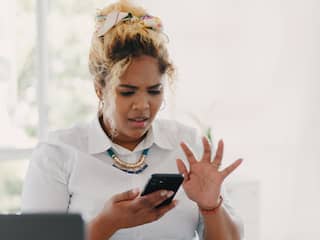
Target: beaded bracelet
(213, 210)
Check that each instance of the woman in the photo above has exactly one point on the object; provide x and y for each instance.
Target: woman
(89, 168)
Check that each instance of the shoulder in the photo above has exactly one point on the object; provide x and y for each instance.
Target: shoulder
(59, 149)
(74, 137)
(51, 158)
(174, 128)
(174, 132)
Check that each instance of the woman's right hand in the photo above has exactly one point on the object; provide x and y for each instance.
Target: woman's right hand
(129, 209)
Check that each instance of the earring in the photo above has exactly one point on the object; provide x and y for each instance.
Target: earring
(100, 107)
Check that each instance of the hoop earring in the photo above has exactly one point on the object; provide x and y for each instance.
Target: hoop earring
(100, 107)
(114, 133)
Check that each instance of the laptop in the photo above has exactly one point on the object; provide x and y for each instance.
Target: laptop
(42, 227)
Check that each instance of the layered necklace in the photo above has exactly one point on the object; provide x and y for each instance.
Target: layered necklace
(132, 168)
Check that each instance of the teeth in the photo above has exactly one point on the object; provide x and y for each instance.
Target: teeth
(139, 119)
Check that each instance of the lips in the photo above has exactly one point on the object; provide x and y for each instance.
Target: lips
(139, 119)
(139, 122)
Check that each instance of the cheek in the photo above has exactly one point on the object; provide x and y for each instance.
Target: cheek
(156, 104)
(122, 108)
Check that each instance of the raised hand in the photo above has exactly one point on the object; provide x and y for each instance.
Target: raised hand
(203, 181)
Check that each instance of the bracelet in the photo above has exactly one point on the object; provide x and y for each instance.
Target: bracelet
(213, 210)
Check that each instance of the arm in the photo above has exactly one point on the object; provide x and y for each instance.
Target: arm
(100, 228)
(45, 186)
(202, 185)
(221, 225)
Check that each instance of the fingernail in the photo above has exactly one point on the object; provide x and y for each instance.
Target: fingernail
(170, 193)
(163, 193)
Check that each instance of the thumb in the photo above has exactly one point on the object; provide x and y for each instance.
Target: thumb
(127, 195)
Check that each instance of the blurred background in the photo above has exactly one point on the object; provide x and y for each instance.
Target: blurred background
(247, 70)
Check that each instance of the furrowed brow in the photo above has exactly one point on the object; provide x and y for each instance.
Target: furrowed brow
(159, 85)
(128, 86)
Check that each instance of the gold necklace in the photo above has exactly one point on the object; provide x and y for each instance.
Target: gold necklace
(135, 168)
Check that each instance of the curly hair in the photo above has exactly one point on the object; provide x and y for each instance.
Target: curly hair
(112, 52)
(126, 40)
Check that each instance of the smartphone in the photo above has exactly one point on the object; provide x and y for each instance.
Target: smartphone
(163, 181)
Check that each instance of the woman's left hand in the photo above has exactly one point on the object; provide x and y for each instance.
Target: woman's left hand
(202, 183)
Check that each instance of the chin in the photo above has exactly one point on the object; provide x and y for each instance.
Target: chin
(137, 133)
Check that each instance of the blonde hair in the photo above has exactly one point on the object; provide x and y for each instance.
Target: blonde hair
(111, 53)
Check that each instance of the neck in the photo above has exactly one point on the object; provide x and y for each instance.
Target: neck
(130, 145)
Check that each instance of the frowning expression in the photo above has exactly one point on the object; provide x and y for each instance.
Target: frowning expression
(138, 98)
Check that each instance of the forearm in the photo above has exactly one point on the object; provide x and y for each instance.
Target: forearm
(221, 226)
(100, 229)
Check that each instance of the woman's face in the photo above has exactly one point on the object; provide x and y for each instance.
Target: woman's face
(139, 96)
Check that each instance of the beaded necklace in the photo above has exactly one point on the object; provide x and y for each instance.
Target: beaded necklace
(132, 168)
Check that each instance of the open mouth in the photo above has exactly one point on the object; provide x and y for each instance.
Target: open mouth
(139, 121)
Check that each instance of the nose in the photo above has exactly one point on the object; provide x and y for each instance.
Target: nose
(141, 103)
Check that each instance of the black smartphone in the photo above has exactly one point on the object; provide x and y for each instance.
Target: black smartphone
(165, 181)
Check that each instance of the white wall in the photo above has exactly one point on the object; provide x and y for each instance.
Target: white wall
(250, 69)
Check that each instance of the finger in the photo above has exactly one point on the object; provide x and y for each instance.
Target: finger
(219, 154)
(153, 199)
(128, 195)
(207, 150)
(231, 168)
(188, 153)
(182, 169)
(163, 210)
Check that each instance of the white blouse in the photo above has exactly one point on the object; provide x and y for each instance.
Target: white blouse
(71, 172)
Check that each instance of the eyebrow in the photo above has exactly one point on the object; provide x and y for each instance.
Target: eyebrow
(135, 87)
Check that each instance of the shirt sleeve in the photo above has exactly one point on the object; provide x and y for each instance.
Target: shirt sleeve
(45, 187)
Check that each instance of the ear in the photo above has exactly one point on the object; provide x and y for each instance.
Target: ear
(98, 90)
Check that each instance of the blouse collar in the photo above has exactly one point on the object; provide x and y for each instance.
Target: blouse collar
(99, 142)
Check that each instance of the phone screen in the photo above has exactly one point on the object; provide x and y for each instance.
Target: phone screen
(163, 181)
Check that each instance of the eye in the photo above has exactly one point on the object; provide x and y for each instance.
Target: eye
(154, 92)
(128, 93)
